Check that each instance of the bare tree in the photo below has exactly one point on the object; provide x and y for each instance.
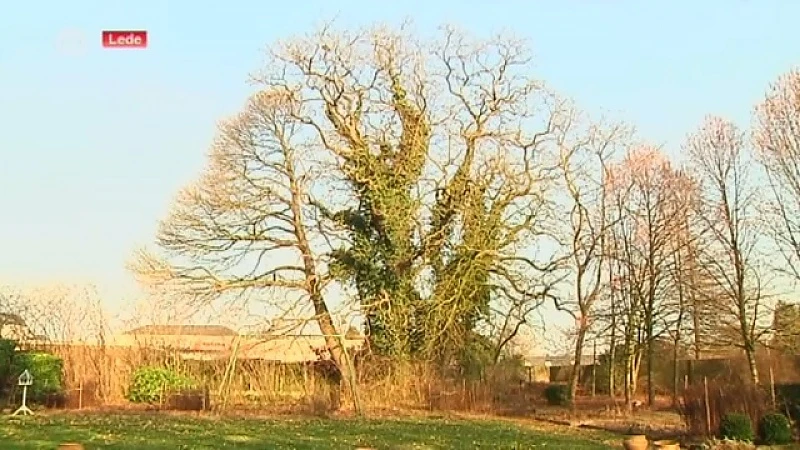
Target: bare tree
(62, 313)
(13, 311)
(776, 136)
(248, 225)
(683, 269)
(440, 151)
(728, 214)
(625, 307)
(585, 164)
(644, 185)
(417, 175)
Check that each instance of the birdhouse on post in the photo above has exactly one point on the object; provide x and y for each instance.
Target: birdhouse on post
(24, 380)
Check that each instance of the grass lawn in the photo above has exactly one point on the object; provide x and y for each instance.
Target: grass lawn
(161, 431)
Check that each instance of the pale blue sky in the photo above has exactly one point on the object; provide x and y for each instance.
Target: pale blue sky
(93, 147)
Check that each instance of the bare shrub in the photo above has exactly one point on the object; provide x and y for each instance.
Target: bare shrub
(98, 376)
(722, 399)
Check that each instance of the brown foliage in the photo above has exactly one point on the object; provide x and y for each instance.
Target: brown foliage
(722, 399)
(100, 376)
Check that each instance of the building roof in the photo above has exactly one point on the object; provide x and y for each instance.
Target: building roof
(559, 360)
(290, 349)
(182, 330)
(11, 319)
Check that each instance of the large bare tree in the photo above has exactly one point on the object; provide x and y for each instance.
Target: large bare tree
(442, 154)
(776, 136)
(727, 210)
(585, 164)
(248, 224)
(416, 173)
(644, 187)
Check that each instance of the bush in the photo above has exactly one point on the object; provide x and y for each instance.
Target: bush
(789, 399)
(722, 399)
(7, 356)
(48, 375)
(154, 384)
(736, 427)
(775, 429)
(557, 394)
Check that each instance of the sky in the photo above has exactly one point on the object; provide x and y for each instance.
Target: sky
(94, 143)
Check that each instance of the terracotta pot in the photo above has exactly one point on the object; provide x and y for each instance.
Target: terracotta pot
(667, 445)
(635, 442)
(70, 446)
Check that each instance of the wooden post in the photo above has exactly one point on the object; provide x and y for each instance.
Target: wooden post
(80, 395)
(685, 382)
(708, 406)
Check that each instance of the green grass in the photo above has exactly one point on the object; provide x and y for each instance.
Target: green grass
(157, 431)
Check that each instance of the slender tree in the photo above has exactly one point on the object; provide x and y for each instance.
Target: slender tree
(645, 185)
(776, 136)
(727, 210)
(585, 163)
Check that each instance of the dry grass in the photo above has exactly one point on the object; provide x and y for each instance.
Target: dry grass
(722, 399)
(100, 375)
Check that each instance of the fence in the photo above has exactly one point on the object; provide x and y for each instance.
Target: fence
(96, 376)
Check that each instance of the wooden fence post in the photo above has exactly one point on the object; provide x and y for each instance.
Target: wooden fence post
(80, 395)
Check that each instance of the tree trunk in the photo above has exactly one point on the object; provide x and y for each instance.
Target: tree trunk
(636, 368)
(675, 374)
(651, 388)
(751, 362)
(333, 339)
(650, 341)
(612, 351)
(342, 360)
(627, 387)
(628, 370)
(612, 367)
(575, 375)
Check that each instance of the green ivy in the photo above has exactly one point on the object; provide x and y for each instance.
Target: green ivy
(7, 356)
(151, 384)
(47, 371)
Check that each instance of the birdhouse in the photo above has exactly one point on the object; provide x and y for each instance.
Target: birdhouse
(26, 379)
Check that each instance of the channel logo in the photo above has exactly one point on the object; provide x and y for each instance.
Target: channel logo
(125, 39)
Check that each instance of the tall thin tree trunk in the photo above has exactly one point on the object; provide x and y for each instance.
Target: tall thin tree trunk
(333, 341)
(628, 368)
(612, 351)
(612, 367)
(750, 351)
(651, 391)
(575, 375)
(675, 373)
